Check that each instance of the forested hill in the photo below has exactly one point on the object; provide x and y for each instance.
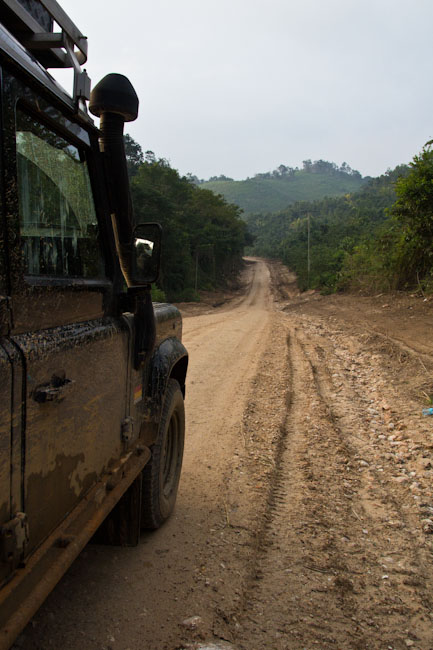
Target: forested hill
(351, 240)
(272, 191)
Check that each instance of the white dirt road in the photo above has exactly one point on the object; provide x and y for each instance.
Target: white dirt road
(305, 510)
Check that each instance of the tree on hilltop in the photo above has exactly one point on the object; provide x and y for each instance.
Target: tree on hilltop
(134, 155)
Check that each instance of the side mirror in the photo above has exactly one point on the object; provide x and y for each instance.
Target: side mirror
(146, 253)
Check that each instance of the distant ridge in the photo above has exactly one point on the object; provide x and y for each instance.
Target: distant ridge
(273, 191)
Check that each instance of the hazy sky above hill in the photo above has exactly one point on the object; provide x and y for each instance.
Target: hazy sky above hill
(240, 86)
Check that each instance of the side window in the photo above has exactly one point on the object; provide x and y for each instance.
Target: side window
(59, 229)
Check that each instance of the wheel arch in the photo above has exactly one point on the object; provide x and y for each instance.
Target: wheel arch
(178, 372)
(169, 361)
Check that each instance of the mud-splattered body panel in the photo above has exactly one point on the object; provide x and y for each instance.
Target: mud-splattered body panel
(75, 395)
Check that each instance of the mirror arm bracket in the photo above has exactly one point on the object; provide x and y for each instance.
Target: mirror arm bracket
(144, 324)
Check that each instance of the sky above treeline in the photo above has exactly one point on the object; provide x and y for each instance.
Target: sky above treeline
(238, 87)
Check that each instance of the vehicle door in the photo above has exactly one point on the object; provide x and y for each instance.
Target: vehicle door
(75, 351)
(10, 406)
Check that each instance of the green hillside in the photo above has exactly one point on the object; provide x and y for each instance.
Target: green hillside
(352, 240)
(274, 191)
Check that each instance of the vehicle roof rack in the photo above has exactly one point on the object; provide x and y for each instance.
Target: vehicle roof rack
(31, 22)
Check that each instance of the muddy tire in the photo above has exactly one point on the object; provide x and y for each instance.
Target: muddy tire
(162, 473)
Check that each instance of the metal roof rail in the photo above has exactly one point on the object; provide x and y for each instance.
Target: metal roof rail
(31, 22)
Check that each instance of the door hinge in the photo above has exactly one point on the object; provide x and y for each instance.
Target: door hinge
(127, 428)
(14, 537)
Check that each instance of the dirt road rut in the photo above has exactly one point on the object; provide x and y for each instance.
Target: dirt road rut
(305, 512)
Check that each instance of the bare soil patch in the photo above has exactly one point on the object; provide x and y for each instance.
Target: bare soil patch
(220, 298)
(305, 512)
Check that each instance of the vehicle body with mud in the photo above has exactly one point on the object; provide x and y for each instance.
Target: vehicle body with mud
(92, 374)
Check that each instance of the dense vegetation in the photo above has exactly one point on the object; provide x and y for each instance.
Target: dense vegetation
(376, 238)
(409, 239)
(203, 235)
(350, 237)
(272, 191)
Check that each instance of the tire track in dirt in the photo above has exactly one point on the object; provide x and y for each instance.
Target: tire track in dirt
(295, 563)
(276, 493)
(335, 563)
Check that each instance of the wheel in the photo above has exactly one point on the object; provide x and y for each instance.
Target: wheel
(162, 473)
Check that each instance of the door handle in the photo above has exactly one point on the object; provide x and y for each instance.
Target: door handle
(54, 391)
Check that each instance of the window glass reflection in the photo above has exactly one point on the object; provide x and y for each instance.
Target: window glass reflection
(59, 230)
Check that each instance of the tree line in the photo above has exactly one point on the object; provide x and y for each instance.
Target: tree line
(286, 172)
(203, 235)
(311, 167)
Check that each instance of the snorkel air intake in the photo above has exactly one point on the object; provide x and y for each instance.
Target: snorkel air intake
(115, 102)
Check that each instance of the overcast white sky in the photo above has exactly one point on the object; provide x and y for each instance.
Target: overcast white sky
(240, 86)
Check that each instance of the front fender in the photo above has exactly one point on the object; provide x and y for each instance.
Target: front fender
(170, 359)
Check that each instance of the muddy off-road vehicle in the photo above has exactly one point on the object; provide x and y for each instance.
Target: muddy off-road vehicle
(92, 374)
